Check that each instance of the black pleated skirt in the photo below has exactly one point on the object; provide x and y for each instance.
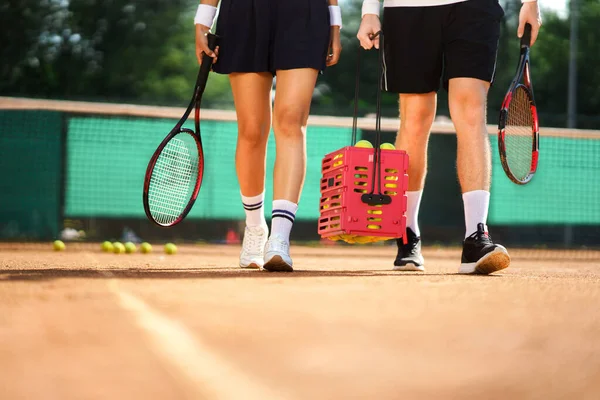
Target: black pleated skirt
(272, 35)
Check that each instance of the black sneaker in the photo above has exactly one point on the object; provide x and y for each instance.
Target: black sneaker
(481, 256)
(409, 256)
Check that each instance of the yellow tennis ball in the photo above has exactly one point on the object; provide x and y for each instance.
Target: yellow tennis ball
(146, 248)
(387, 146)
(107, 246)
(130, 248)
(364, 144)
(118, 248)
(170, 248)
(58, 245)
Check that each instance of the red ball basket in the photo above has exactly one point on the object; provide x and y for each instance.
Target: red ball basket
(363, 190)
(350, 209)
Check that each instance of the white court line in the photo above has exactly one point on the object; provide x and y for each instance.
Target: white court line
(204, 369)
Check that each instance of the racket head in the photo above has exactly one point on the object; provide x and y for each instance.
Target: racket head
(173, 178)
(518, 135)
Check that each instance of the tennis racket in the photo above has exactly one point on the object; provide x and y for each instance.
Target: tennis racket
(518, 128)
(174, 173)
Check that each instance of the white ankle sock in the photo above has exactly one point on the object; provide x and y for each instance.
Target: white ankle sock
(284, 214)
(255, 210)
(476, 205)
(412, 210)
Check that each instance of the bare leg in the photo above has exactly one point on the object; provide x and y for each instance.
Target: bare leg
(467, 101)
(292, 106)
(251, 94)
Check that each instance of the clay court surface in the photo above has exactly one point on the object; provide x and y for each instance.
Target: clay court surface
(83, 324)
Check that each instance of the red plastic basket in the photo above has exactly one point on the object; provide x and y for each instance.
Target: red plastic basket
(346, 176)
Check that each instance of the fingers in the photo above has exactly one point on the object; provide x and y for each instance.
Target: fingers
(369, 26)
(376, 42)
(334, 55)
(530, 14)
(521, 28)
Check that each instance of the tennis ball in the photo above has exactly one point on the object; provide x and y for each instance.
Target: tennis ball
(58, 245)
(170, 248)
(107, 246)
(118, 248)
(145, 248)
(387, 146)
(364, 144)
(130, 248)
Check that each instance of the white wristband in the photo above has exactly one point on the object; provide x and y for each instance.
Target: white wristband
(335, 16)
(205, 15)
(370, 7)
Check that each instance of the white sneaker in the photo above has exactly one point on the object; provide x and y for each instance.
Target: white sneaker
(277, 255)
(253, 246)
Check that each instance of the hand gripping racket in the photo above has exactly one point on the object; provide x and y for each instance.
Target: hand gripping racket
(175, 171)
(518, 128)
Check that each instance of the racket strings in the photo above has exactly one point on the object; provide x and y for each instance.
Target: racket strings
(173, 180)
(519, 134)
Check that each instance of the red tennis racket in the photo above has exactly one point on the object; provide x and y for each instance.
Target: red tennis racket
(174, 173)
(518, 128)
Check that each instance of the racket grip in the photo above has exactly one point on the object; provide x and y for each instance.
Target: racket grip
(526, 38)
(212, 41)
(206, 64)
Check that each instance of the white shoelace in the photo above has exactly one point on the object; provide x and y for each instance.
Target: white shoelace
(253, 240)
(278, 245)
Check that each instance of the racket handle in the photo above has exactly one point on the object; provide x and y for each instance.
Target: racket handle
(212, 41)
(206, 63)
(526, 38)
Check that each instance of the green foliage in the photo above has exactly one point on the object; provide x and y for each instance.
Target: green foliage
(143, 52)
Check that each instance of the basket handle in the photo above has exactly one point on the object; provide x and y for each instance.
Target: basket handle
(372, 198)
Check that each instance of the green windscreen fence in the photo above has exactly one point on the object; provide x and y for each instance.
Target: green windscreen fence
(565, 189)
(107, 159)
(88, 161)
(31, 155)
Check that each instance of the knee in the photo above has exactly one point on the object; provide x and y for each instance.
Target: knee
(289, 122)
(253, 132)
(469, 106)
(417, 121)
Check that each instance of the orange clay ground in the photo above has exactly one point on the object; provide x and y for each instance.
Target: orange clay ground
(83, 324)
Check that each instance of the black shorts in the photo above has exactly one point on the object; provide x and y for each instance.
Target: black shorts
(272, 35)
(424, 44)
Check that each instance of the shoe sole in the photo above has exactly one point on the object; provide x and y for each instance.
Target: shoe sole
(494, 261)
(250, 266)
(276, 264)
(409, 268)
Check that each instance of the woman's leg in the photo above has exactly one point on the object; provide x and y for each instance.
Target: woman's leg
(292, 107)
(251, 95)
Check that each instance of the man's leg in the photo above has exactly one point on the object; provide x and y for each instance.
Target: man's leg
(467, 102)
(417, 112)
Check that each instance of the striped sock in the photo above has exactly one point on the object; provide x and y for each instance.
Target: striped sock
(254, 207)
(284, 214)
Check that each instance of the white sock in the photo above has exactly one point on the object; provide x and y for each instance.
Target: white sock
(284, 214)
(476, 204)
(255, 210)
(412, 210)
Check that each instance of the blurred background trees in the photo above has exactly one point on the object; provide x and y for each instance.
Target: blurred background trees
(143, 52)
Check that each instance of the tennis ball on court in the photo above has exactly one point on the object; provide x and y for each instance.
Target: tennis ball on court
(58, 245)
(130, 247)
(170, 248)
(107, 246)
(387, 146)
(364, 144)
(118, 248)
(145, 248)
